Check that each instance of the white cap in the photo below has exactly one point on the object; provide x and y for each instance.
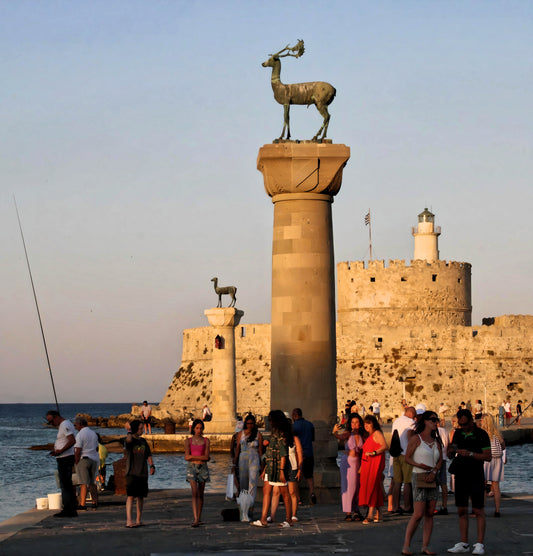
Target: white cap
(420, 408)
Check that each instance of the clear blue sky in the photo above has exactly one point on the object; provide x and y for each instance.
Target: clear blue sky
(129, 137)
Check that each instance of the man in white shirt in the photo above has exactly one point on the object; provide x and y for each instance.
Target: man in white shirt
(443, 408)
(64, 453)
(508, 414)
(146, 413)
(87, 459)
(402, 470)
(376, 410)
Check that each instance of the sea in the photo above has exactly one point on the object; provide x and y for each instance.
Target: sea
(29, 474)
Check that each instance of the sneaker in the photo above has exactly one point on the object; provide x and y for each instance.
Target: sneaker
(442, 511)
(479, 548)
(460, 548)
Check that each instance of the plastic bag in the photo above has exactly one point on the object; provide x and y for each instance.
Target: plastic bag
(231, 490)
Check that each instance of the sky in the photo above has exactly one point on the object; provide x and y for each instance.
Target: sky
(129, 138)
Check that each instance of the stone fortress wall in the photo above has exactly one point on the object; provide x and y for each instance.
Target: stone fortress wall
(430, 363)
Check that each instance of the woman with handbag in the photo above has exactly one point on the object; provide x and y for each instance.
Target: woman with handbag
(424, 453)
(248, 456)
(353, 436)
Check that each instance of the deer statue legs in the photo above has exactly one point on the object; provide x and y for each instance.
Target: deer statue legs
(322, 108)
(325, 114)
(286, 119)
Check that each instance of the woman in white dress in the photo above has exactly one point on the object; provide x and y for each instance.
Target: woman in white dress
(494, 467)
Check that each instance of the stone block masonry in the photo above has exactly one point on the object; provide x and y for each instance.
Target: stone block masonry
(434, 364)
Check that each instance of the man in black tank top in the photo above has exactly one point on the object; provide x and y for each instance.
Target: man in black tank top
(469, 450)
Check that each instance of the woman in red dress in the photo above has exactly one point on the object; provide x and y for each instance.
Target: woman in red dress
(372, 466)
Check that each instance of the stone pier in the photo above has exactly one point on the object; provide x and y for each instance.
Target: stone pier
(223, 399)
(301, 179)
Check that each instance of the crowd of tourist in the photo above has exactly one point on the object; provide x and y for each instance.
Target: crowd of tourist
(420, 451)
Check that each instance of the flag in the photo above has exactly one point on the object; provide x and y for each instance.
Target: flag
(367, 219)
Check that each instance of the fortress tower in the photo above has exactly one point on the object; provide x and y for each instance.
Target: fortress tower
(426, 237)
(428, 292)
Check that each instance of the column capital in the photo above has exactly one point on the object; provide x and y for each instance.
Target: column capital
(224, 316)
(307, 167)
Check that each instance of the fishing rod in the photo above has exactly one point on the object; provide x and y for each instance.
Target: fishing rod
(518, 416)
(36, 304)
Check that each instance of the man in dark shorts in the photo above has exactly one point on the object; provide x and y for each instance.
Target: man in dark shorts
(138, 456)
(305, 431)
(146, 414)
(469, 450)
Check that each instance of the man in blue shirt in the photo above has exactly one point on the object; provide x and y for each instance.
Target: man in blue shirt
(305, 431)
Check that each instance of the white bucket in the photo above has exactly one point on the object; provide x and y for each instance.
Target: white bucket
(41, 503)
(54, 501)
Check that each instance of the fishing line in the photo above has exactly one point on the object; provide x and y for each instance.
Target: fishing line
(36, 304)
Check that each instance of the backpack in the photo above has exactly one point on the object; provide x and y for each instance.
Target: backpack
(395, 449)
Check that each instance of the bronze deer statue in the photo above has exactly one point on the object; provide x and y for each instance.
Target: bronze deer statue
(319, 93)
(228, 290)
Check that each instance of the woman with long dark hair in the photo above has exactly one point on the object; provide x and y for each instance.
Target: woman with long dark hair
(197, 456)
(372, 466)
(275, 472)
(353, 437)
(248, 455)
(424, 453)
(294, 466)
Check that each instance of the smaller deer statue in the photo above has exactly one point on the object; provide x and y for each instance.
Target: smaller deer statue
(228, 290)
(319, 93)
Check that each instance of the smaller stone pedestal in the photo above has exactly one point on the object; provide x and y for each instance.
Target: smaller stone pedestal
(224, 398)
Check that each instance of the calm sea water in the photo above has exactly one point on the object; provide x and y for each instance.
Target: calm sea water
(26, 474)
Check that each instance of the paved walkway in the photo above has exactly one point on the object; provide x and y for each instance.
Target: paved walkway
(167, 531)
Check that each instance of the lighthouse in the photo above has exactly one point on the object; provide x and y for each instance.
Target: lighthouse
(426, 237)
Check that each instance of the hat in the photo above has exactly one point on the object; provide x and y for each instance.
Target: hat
(420, 408)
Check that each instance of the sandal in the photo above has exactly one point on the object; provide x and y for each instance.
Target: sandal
(406, 552)
(427, 551)
(366, 521)
(258, 523)
(284, 525)
(348, 517)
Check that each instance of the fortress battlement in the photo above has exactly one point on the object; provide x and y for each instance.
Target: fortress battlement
(395, 264)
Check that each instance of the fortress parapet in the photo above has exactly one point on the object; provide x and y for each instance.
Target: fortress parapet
(434, 293)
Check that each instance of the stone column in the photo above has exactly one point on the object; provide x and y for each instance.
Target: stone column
(301, 179)
(223, 398)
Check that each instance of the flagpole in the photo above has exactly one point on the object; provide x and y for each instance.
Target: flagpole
(368, 222)
(370, 233)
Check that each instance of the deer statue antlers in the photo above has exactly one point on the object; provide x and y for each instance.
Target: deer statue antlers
(298, 48)
(319, 93)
